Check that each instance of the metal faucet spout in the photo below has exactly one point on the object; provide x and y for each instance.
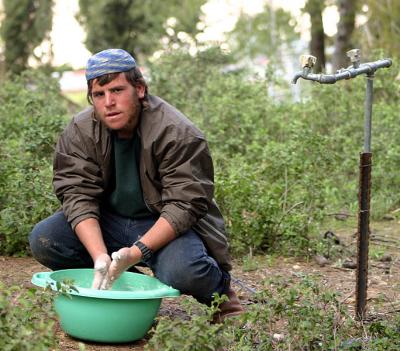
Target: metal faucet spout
(297, 76)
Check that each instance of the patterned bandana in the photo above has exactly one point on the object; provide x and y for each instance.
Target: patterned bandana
(109, 61)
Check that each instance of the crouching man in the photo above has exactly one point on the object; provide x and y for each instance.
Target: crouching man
(135, 179)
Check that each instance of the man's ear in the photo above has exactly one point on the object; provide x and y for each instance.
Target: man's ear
(140, 91)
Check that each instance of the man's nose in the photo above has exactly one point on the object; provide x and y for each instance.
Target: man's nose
(109, 99)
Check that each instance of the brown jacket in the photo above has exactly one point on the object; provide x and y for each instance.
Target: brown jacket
(176, 172)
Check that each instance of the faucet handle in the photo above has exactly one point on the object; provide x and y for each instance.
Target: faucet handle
(354, 56)
(307, 61)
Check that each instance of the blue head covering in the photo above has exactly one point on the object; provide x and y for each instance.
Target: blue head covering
(109, 61)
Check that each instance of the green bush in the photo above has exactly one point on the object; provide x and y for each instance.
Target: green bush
(281, 166)
(302, 314)
(297, 313)
(27, 320)
(263, 195)
(32, 114)
(273, 204)
(193, 334)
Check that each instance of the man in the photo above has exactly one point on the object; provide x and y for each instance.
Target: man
(135, 178)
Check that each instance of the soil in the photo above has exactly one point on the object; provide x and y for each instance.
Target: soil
(383, 277)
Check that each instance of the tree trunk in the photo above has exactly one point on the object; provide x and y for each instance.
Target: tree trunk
(317, 43)
(345, 28)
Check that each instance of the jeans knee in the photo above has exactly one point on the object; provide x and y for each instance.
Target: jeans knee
(38, 243)
(200, 279)
(34, 242)
(44, 250)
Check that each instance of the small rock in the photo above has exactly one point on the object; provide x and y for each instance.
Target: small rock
(373, 281)
(331, 235)
(377, 281)
(386, 258)
(341, 216)
(278, 337)
(321, 260)
(349, 264)
(296, 266)
(388, 217)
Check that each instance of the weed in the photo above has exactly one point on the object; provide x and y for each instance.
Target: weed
(249, 263)
(31, 116)
(195, 334)
(287, 314)
(27, 320)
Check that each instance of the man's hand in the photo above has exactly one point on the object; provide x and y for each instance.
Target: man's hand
(122, 260)
(101, 266)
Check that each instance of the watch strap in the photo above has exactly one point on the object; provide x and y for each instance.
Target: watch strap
(146, 252)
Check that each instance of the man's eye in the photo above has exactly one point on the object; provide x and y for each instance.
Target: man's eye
(96, 95)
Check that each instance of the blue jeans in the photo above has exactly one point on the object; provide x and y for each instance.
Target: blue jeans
(183, 263)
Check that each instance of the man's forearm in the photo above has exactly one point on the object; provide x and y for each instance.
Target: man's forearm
(89, 233)
(160, 234)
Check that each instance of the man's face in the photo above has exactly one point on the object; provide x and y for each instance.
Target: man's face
(117, 104)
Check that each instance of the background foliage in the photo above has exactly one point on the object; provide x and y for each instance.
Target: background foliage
(31, 115)
(281, 166)
(25, 25)
(137, 26)
(27, 320)
(288, 314)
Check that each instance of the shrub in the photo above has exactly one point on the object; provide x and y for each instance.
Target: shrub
(297, 313)
(193, 334)
(27, 320)
(280, 166)
(32, 114)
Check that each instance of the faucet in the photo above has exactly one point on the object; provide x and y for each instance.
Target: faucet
(307, 63)
(357, 68)
(354, 56)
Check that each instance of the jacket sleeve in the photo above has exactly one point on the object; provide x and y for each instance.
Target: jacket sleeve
(187, 179)
(77, 177)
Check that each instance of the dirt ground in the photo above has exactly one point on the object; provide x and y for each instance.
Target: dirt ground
(383, 278)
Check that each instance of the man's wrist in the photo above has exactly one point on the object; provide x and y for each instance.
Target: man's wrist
(135, 253)
(147, 253)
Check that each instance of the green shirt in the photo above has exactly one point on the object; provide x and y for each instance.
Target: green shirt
(126, 199)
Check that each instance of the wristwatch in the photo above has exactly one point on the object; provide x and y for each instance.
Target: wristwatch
(146, 252)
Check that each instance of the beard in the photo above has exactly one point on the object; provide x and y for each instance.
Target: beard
(123, 119)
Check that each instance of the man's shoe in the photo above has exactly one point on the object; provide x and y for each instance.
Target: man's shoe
(228, 309)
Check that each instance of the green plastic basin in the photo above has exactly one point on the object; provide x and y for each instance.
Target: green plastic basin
(124, 313)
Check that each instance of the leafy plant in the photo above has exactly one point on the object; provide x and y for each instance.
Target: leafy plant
(32, 114)
(297, 313)
(195, 334)
(27, 320)
(281, 166)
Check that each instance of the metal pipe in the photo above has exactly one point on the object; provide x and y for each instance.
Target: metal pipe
(368, 112)
(364, 197)
(346, 73)
(364, 194)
